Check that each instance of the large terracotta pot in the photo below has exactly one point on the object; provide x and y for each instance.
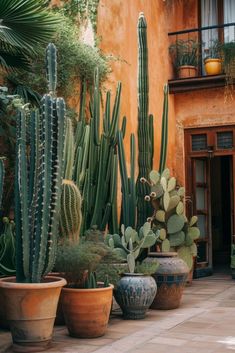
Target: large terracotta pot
(135, 293)
(86, 311)
(30, 311)
(213, 66)
(171, 277)
(186, 71)
(3, 319)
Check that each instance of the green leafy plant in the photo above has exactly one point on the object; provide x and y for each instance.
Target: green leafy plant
(24, 25)
(185, 52)
(7, 248)
(78, 262)
(76, 63)
(214, 51)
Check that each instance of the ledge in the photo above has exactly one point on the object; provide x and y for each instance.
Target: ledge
(196, 83)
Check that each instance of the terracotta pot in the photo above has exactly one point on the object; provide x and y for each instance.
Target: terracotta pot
(171, 277)
(31, 310)
(135, 293)
(213, 66)
(87, 311)
(187, 71)
(3, 319)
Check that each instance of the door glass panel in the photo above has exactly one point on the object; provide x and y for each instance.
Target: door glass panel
(200, 198)
(201, 223)
(202, 252)
(200, 171)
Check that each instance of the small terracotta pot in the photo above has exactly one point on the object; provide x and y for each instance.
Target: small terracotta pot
(31, 310)
(213, 66)
(87, 311)
(187, 71)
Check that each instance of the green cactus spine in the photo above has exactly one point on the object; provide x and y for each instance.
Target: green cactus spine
(70, 214)
(2, 176)
(144, 151)
(163, 151)
(37, 203)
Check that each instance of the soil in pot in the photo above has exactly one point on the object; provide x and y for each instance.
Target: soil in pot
(30, 311)
(87, 311)
(134, 294)
(171, 277)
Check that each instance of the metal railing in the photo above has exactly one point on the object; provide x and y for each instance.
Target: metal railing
(195, 44)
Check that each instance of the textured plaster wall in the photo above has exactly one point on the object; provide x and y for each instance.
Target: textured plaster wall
(117, 28)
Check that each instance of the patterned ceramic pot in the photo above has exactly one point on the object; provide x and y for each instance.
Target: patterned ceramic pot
(171, 277)
(135, 293)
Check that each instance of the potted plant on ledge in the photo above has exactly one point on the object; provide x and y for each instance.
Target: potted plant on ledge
(185, 56)
(213, 59)
(31, 298)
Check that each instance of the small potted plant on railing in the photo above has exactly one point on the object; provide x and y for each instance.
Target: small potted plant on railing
(31, 298)
(213, 58)
(185, 55)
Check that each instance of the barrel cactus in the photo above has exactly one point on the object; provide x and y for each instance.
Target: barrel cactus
(176, 232)
(70, 213)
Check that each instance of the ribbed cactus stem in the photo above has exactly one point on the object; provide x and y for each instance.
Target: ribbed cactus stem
(164, 138)
(70, 214)
(51, 68)
(2, 176)
(69, 151)
(143, 121)
(38, 187)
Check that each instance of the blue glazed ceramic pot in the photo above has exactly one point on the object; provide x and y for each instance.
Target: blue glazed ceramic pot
(135, 293)
(171, 277)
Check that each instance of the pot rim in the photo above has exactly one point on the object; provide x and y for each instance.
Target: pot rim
(84, 290)
(207, 60)
(187, 67)
(51, 282)
(135, 274)
(163, 254)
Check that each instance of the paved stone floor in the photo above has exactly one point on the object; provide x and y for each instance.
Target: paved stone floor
(204, 323)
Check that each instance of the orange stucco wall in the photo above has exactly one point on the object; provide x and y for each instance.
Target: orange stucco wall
(117, 20)
(117, 28)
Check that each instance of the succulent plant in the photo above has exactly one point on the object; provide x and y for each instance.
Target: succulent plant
(169, 220)
(38, 182)
(133, 242)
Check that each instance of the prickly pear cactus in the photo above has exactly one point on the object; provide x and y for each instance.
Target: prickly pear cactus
(176, 233)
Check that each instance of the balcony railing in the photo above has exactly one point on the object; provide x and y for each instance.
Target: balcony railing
(190, 48)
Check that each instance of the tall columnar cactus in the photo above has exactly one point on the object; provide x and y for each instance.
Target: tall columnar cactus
(164, 138)
(145, 151)
(2, 175)
(128, 217)
(96, 162)
(37, 203)
(169, 220)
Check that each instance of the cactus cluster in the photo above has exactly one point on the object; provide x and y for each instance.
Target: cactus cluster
(38, 181)
(145, 123)
(92, 159)
(169, 220)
